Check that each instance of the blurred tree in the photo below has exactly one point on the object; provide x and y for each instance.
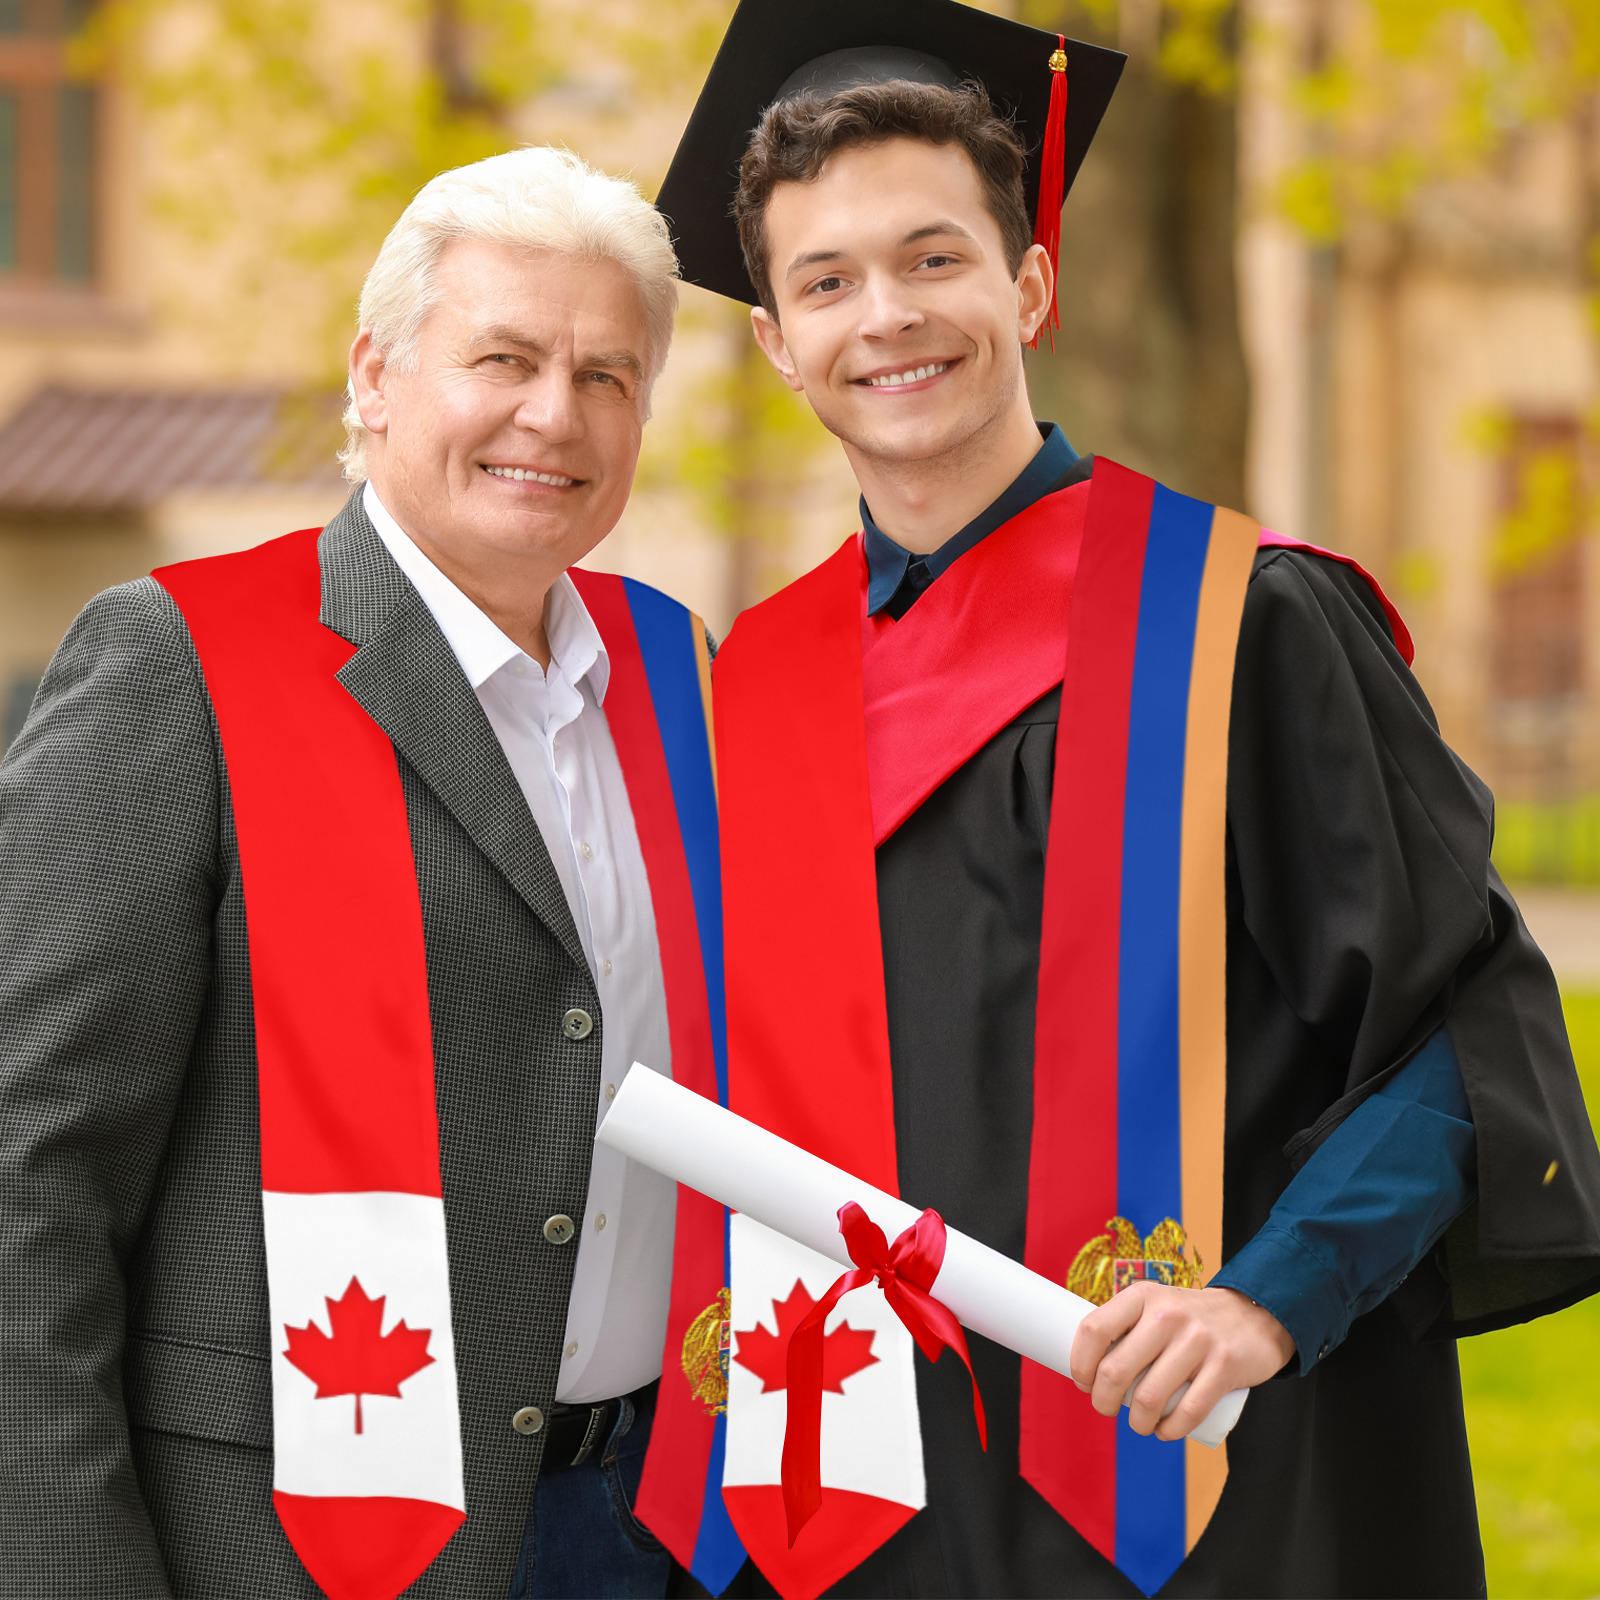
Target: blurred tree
(293, 132)
(746, 448)
(1391, 97)
(1149, 366)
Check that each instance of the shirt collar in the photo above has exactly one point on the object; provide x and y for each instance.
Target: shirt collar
(887, 561)
(477, 641)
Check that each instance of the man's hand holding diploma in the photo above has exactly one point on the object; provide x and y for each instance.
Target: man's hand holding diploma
(1215, 1340)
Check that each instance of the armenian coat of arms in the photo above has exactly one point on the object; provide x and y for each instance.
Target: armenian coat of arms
(705, 1355)
(1113, 1260)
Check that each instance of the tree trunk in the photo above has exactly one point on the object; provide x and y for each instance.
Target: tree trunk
(1148, 365)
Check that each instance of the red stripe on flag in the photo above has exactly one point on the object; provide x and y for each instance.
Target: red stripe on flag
(367, 1547)
(808, 1029)
(844, 1532)
(1068, 1450)
(671, 1495)
(337, 964)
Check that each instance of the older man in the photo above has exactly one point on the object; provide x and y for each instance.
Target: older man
(342, 878)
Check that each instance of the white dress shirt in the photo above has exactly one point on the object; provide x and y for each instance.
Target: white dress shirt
(555, 736)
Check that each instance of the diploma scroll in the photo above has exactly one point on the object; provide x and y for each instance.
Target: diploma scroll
(696, 1142)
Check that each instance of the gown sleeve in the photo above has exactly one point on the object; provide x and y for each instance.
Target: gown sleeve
(1374, 1198)
(1360, 878)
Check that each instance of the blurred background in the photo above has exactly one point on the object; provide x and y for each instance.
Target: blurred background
(1334, 262)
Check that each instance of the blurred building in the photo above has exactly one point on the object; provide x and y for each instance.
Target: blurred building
(1421, 392)
(118, 450)
(169, 361)
(1426, 396)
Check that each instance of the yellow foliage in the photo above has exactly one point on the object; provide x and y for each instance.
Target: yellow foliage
(1548, 514)
(1404, 93)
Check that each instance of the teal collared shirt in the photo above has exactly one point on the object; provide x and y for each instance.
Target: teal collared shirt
(895, 577)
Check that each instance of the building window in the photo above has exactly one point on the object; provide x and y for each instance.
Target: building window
(47, 148)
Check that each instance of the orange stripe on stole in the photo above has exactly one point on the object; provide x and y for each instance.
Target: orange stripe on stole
(702, 656)
(1202, 936)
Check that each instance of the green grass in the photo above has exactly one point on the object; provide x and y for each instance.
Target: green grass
(1559, 843)
(1533, 1416)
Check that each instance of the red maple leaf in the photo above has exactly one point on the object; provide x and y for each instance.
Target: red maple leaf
(845, 1351)
(360, 1358)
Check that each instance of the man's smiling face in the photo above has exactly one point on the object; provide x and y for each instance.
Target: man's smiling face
(517, 431)
(898, 314)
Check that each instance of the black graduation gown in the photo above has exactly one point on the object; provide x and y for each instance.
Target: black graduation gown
(1362, 912)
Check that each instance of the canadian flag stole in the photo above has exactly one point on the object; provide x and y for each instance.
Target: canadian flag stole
(1125, 1174)
(368, 1474)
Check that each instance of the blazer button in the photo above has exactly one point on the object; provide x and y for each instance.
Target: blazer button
(530, 1419)
(559, 1229)
(577, 1024)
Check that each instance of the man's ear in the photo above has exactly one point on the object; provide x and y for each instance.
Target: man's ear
(774, 346)
(367, 374)
(1036, 284)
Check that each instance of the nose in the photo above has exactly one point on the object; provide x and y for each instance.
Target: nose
(549, 405)
(887, 311)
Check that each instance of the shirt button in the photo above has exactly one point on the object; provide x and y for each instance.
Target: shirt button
(600, 1223)
(559, 1229)
(605, 967)
(577, 1023)
(530, 1419)
(572, 1349)
(588, 853)
(611, 1091)
(520, 667)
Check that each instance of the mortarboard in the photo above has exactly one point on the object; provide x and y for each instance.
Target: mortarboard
(1055, 89)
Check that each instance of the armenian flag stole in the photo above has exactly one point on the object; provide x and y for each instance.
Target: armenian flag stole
(658, 705)
(1131, 1050)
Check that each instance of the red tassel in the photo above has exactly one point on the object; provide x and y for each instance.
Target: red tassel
(1052, 180)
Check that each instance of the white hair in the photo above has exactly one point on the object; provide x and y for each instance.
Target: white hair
(537, 197)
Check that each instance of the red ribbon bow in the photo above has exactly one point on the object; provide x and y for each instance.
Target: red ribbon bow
(906, 1270)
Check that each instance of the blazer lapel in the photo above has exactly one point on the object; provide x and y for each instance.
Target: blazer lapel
(407, 679)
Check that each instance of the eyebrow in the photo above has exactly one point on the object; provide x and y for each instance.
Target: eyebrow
(626, 359)
(944, 228)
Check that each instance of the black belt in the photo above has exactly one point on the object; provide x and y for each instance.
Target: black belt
(575, 1434)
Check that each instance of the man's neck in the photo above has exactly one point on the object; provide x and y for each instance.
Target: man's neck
(921, 503)
(506, 591)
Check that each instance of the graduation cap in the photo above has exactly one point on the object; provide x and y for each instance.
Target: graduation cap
(1056, 91)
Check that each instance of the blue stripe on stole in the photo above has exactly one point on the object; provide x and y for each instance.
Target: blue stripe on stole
(718, 1552)
(1151, 1507)
(673, 669)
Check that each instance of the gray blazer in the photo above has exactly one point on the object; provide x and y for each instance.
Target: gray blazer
(135, 1396)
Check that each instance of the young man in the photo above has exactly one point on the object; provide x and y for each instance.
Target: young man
(1015, 789)
(341, 884)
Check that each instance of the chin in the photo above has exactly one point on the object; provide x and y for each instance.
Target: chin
(914, 439)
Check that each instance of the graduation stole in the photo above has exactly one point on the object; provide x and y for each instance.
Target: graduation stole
(833, 728)
(367, 1467)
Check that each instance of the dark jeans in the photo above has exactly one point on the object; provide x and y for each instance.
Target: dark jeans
(582, 1540)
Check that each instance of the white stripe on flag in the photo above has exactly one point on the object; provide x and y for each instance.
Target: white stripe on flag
(393, 1245)
(871, 1435)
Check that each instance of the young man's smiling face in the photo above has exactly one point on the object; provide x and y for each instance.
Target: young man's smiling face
(898, 314)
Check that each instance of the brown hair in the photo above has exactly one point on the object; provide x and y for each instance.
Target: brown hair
(796, 137)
